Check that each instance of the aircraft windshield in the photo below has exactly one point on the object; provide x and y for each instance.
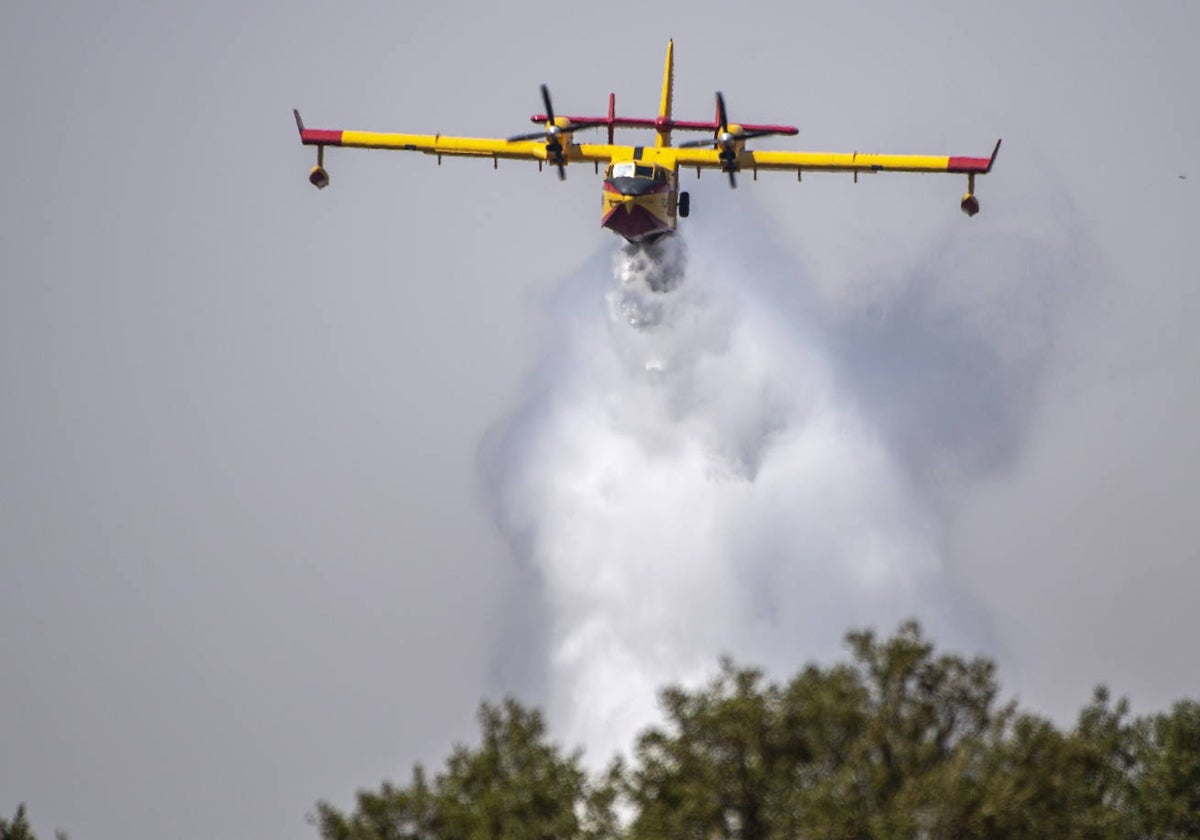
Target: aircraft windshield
(629, 169)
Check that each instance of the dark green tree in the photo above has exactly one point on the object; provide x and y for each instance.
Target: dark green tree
(919, 767)
(1101, 761)
(516, 785)
(894, 745)
(1166, 785)
(713, 772)
(19, 828)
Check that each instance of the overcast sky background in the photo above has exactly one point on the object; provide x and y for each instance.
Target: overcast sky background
(249, 548)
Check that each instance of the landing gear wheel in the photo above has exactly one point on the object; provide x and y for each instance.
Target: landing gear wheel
(685, 205)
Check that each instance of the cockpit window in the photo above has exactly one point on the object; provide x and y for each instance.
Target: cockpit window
(629, 169)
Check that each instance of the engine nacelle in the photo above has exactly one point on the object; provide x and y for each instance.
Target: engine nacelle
(970, 204)
(319, 178)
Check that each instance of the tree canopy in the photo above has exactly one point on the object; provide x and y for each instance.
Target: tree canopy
(516, 784)
(899, 742)
(19, 828)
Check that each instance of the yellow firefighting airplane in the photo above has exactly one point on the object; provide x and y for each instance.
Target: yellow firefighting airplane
(641, 198)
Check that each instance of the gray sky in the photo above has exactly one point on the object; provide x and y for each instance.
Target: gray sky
(247, 556)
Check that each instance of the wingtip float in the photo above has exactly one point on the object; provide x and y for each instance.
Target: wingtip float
(641, 199)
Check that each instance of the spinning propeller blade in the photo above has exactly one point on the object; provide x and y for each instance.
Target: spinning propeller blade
(727, 141)
(533, 135)
(721, 118)
(552, 132)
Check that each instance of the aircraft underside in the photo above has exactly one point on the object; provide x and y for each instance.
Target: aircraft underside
(635, 222)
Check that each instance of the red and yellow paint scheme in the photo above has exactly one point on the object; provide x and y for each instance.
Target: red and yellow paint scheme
(641, 200)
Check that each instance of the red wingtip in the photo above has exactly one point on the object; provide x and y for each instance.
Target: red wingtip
(316, 136)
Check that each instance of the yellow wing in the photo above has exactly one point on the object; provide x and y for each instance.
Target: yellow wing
(732, 157)
(833, 161)
(440, 144)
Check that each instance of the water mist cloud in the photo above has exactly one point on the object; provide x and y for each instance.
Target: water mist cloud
(689, 477)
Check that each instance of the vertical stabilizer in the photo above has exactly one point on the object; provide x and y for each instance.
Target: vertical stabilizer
(664, 106)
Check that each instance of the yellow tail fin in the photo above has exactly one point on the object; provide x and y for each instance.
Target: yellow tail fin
(668, 90)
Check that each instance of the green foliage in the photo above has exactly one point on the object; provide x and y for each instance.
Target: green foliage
(19, 828)
(515, 785)
(894, 745)
(897, 743)
(1166, 786)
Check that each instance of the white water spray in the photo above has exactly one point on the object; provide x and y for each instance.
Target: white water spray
(688, 480)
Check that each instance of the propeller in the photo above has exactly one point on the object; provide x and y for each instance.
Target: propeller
(553, 133)
(727, 140)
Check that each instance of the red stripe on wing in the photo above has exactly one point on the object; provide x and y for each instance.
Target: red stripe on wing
(973, 164)
(968, 164)
(320, 137)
